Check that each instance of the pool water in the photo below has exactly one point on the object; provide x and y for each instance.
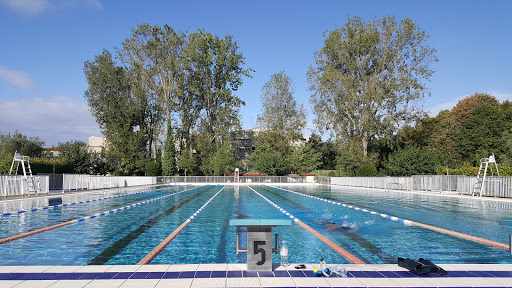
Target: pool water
(125, 237)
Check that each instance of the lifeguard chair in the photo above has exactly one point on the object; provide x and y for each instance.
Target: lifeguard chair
(31, 182)
(478, 189)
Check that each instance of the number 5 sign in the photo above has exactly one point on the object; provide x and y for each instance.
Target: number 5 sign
(259, 241)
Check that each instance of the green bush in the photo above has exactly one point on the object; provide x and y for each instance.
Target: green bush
(366, 169)
(468, 170)
(411, 160)
(153, 169)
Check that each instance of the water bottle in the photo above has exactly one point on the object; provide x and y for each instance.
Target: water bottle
(284, 254)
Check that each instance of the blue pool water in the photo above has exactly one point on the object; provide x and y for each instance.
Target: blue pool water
(126, 236)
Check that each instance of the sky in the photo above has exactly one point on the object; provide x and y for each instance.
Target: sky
(44, 44)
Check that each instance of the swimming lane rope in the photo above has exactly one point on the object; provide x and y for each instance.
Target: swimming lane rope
(163, 244)
(347, 255)
(480, 240)
(23, 235)
(79, 202)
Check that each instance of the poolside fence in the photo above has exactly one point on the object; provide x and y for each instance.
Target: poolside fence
(493, 186)
(11, 185)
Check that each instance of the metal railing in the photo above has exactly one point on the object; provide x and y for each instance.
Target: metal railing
(242, 179)
(494, 186)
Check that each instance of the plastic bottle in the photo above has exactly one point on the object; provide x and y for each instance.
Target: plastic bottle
(284, 254)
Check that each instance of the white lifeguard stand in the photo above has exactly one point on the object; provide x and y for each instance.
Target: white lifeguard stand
(484, 166)
(31, 183)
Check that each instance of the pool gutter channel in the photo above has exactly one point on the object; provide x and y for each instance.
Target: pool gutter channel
(347, 255)
(406, 222)
(34, 232)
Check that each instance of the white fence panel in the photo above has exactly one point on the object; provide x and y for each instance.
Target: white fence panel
(493, 186)
(11, 185)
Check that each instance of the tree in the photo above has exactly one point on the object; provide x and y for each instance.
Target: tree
(225, 160)
(32, 147)
(466, 106)
(305, 159)
(281, 118)
(327, 151)
(153, 56)
(368, 78)
(266, 161)
(411, 160)
(119, 112)
(186, 162)
(169, 160)
(481, 132)
(214, 71)
(366, 170)
(75, 153)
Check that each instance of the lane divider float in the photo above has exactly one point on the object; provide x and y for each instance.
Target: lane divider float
(75, 203)
(480, 240)
(151, 255)
(23, 235)
(347, 255)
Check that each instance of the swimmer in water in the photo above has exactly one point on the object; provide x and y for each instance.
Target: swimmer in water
(333, 226)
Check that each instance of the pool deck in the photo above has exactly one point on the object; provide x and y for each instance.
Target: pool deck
(235, 275)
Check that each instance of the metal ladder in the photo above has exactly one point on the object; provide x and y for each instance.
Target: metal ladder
(478, 189)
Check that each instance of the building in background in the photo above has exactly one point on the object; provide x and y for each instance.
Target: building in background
(96, 144)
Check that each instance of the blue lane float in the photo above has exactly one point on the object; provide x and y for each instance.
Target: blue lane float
(79, 202)
(393, 218)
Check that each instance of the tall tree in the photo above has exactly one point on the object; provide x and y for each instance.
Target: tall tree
(368, 77)
(169, 160)
(225, 160)
(214, 71)
(153, 54)
(267, 161)
(305, 159)
(118, 111)
(27, 146)
(281, 118)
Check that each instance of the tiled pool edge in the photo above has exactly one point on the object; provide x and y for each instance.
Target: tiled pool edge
(235, 275)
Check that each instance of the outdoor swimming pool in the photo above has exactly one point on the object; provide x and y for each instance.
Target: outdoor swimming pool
(126, 236)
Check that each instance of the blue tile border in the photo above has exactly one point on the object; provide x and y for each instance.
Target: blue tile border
(239, 274)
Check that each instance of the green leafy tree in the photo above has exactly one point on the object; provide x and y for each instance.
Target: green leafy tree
(366, 169)
(153, 169)
(75, 153)
(214, 69)
(225, 160)
(266, 161)
(119, 112)
(411, 160)
(347, 162)
(327, 150)
(187, 162)
(169, 160)
(153, 55)
(482, 131)
(27, 146)
(281, 118)
(368, 78)
(305, 159)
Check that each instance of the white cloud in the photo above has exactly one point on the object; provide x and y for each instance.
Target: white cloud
(37, 7)
(31, 7)
(53, 120)
(19, 79)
